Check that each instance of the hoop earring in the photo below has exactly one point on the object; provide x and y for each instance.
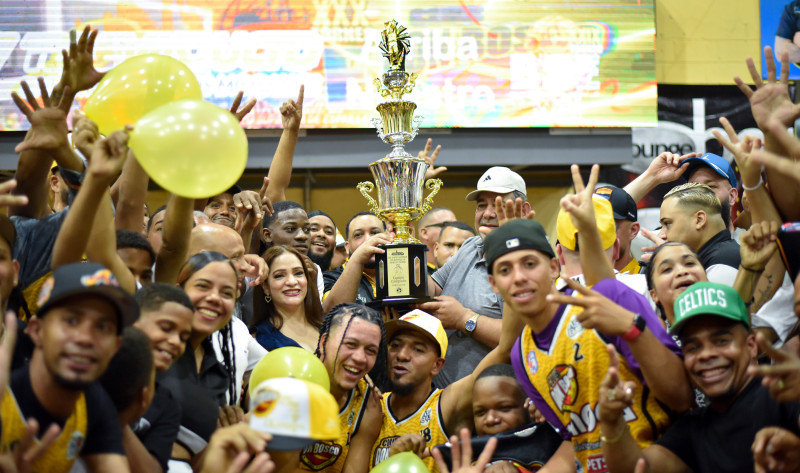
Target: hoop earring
(267, 298)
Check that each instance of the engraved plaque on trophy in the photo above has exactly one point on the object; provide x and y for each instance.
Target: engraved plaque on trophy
(401, 275)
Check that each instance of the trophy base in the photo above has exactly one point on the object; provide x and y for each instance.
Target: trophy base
(401, 275)
(402, 305)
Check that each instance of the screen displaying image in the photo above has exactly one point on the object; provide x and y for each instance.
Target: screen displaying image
(482, 63)
(780, 29)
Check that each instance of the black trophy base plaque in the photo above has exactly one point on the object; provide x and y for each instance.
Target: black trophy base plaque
(401, 275)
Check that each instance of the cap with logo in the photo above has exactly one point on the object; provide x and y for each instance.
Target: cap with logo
(719, 164)
(519, 234)
(621, 202)
(87, 279)
(339, 239)
(295, 412)
(708, 298)
(567, 233)
(500, 180)
(423, 323)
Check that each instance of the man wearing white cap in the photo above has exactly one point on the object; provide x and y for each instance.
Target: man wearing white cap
(465, 303)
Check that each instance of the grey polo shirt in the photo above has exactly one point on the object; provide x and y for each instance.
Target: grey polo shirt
(464, 277)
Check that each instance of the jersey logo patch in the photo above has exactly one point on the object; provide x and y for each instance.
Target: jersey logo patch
(350, 418)
(563, 387)
(574, 327)
(75, 445)
(533, 364)
(426, 416)
(320, 455)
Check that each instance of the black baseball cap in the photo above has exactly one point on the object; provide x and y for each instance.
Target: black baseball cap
(519, 234)
(79, 279)
(623, 204)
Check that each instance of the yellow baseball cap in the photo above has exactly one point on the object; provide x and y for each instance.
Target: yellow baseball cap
(295, 412)
(423, 323)
(604, 215)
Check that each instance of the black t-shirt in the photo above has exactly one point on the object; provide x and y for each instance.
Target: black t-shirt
(158, 427)
(720, 249)
(789, 23)
(366, 292)
(103, 432)
(709, 441)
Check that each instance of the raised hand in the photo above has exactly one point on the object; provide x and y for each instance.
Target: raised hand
(109, 155)
(462, 455)
(788, 166)
(79, 64)
(758, 245)
(292, 112)
(85, 133)
(614, 395)
(600, 313)
(510, 210)
(431, 159)
(667, 167)
(579, 205)
(241, 113)
(742, 152)
(783, 376)
(770, 99)
(48, 124)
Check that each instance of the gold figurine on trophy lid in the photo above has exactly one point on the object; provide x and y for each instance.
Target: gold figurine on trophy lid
(400, 177)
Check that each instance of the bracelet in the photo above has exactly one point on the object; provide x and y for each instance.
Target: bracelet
(616, 439)
(752, 270)
(760, 183)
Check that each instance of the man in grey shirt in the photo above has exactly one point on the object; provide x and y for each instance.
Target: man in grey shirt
(465, 303)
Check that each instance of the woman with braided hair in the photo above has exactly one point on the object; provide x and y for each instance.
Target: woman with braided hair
(352, 344)
(203, 380)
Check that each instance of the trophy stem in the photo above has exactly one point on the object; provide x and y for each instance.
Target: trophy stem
(402, 229)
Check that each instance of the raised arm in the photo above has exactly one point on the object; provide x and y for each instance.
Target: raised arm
(175, 239)
(346, 287)
(45, 141)
(666, 167)
(580, 207)
(88, 223)
(280, 170)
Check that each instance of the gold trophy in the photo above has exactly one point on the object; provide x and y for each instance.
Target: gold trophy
(401, 274)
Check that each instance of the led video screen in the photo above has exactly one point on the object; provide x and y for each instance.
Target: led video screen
(482, 63)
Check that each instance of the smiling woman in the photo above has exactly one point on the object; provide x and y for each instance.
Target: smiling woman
(286, 309)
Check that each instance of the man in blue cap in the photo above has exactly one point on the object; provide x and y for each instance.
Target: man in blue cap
(709, 169)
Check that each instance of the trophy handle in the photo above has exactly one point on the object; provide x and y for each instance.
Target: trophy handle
(366, 188)
(433, 185)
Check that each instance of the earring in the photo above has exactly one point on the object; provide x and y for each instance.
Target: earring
(267, 298)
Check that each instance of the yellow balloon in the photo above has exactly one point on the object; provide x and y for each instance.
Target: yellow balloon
(191, 148)
(405, 462)
(137, 86)
(290, 362)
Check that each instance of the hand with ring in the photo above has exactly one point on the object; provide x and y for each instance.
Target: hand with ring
(782, 378)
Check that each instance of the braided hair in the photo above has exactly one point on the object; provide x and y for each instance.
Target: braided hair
(190, 267)
(351, 311)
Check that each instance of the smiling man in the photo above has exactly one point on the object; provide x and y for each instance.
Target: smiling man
(718, 346)
(76, 332)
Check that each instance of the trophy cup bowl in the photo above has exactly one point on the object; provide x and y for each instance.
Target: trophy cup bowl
(397, 124)
(400, 184)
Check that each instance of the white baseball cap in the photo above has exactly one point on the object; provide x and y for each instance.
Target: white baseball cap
(500, 180)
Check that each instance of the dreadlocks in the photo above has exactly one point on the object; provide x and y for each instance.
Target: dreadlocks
(349, 312)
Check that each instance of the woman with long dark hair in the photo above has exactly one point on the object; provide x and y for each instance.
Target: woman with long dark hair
(286, 307)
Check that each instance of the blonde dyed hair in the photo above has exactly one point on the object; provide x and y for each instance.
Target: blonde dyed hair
(694, 196)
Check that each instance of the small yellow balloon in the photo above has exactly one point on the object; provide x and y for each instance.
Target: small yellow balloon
(405, 462)
(191, 148)
(290, 362)
(137, 86)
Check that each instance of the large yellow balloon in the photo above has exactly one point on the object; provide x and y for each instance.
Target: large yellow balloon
(290, 362)
(137, 86)
(405, 462)
(191, 148)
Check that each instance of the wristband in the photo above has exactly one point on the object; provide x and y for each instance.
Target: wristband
(760, 183)
(752, 270)
(638, 326)
(616, 439)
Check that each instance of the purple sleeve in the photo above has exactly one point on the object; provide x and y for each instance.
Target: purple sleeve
(533, 394)
(634, 302)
